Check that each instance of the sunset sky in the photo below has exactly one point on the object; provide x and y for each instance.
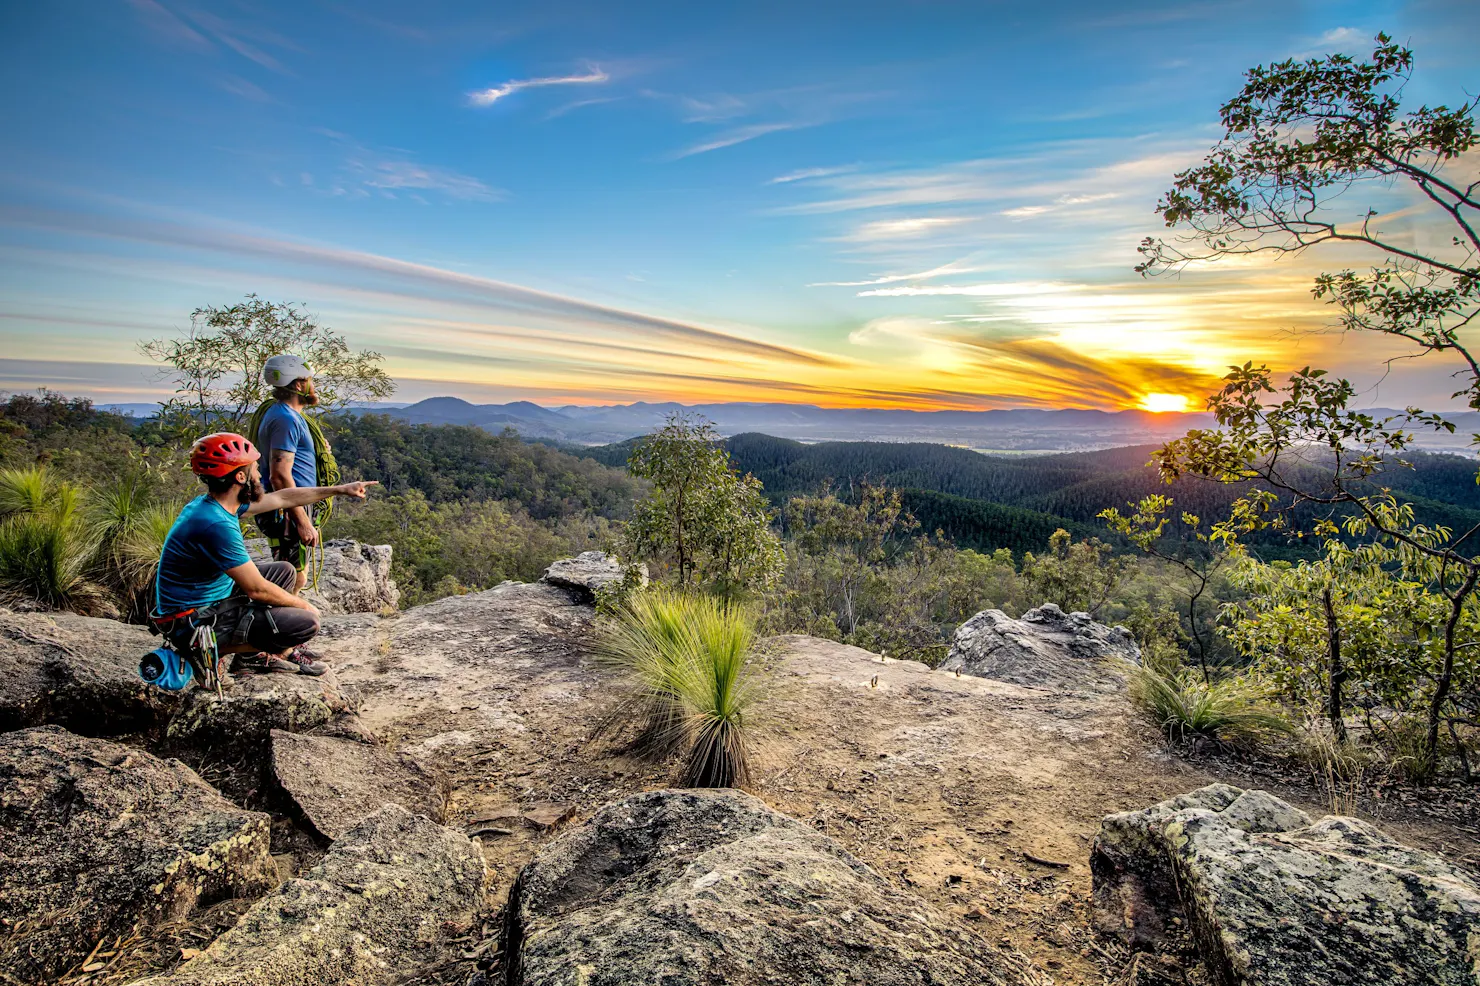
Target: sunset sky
(912, 204)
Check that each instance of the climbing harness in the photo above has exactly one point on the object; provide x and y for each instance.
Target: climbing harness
(201, 651)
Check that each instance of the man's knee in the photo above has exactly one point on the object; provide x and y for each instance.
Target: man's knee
(280, 573)
(301, 628)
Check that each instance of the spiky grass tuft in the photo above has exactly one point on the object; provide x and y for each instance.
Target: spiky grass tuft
(45, 547)
(688, 656)
(1184, 706)
(717, 687)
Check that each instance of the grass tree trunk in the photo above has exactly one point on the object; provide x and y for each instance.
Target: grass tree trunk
(1335, 708)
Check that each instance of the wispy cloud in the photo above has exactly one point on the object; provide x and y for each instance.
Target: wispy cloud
(571, 107)
(194, 27)
(807, 174)
(941, 271)
(901, 229)
(1344, 40)
(487, 97)
(400, 174)
(738, 135)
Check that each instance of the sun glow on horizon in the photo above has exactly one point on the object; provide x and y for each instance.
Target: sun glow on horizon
(1159, 403)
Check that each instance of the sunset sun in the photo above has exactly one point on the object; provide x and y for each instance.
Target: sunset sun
(1163, 402)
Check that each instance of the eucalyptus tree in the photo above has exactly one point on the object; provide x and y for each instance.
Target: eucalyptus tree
(1302, 140)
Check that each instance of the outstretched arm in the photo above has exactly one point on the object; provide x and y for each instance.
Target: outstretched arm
(302, 496)
(281, 470)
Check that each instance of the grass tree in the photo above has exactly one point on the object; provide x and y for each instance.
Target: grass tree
(46, 546)
(688, 657)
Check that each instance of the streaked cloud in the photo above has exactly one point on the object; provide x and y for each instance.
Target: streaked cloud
(738, 135)
(420, 280)
(389, 174)
(807, 174)
(487, 97)
(943, 270)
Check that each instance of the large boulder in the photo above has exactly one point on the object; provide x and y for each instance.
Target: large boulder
(97, 839)
(355, 578)
(690, 887)
(338, 783)
(388, 901)
(77, 672)
(589, 572)
(1273, 899)
(1046, 648)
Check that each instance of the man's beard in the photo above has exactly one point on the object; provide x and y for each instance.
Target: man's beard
(309, 397)
(250, 491)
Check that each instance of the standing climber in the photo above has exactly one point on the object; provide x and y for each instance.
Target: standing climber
(206, 577)
(285, 436)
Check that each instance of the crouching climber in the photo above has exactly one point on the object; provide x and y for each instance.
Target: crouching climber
(206, 577)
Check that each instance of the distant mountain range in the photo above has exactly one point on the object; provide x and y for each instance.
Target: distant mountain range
(1009, 430)
(1016, 430)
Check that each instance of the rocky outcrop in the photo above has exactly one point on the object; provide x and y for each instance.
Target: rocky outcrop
(589, 572)
(355, 578)
(78, 672)
(98, 838)
(681, 887)
(386, 902)
(338, 783)
(1046, 648)
(1274, 900)
(244, 715)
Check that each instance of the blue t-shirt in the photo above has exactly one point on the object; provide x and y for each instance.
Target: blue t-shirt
(284, 430)
(204, 542)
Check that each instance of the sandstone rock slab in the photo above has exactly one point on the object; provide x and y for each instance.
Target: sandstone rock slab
(251, 707)
(1046, 648)
(690, 887)
(97, 838)
(1273, 899)
(386, 902)
(77, 672)
(589, 572)
(338, 783)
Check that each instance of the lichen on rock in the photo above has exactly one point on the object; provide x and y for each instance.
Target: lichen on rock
(1273, 899)
(98, 838)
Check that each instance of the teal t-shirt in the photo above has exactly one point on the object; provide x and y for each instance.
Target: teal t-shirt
(204, 542)
(284, 430)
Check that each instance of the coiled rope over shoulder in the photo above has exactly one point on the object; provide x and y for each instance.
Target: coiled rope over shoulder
(326, 468)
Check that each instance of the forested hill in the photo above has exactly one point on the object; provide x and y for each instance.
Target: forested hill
(966, 493)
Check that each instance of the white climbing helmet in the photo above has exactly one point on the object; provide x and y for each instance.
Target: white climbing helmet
(282, 369)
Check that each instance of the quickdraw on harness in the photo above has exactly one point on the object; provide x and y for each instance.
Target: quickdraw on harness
(326, 468)
(202, 652)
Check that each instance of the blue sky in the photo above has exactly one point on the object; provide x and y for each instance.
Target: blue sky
(918, 204)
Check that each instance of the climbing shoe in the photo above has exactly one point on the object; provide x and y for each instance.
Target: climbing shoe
(244, 665)
(304, 663)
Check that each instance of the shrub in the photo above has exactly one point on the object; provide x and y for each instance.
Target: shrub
(689, 657)
(1184, 706)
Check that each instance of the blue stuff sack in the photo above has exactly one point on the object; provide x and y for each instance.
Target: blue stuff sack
(166, 669)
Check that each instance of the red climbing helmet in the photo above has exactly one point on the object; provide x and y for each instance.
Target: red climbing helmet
(221, 454)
